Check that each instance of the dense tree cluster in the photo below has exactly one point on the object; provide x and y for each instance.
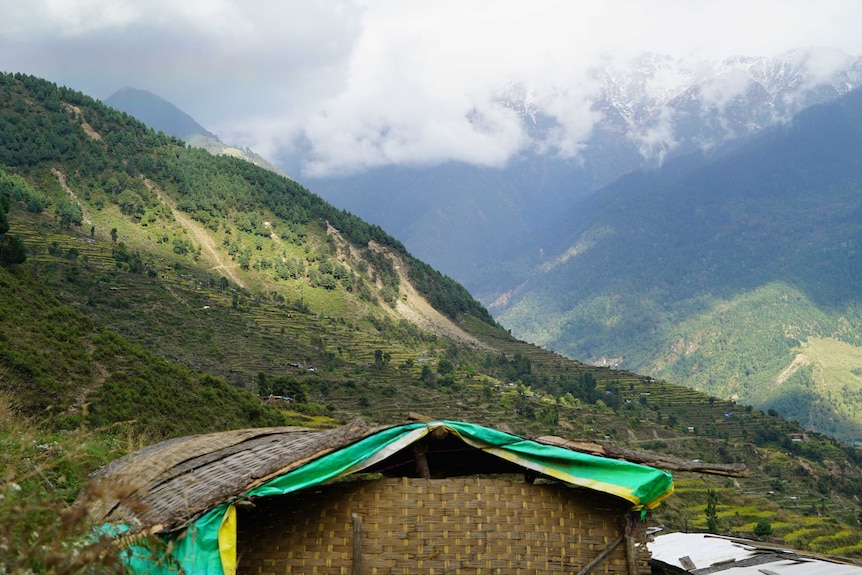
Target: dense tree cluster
(12, 249)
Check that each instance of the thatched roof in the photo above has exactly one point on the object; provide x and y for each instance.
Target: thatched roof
(164, 487)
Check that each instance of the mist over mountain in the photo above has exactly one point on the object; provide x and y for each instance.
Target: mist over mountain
(677, 230)
(163, 116)
(644, 112)
(156, 112)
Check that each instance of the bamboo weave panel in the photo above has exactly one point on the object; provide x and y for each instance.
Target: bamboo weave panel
(456, 526)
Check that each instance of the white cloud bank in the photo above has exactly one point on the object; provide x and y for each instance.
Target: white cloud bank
(370, 83)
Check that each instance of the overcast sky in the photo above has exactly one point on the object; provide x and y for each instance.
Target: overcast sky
(375, 82)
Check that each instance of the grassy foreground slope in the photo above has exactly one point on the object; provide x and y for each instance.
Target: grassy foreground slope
(168, 292)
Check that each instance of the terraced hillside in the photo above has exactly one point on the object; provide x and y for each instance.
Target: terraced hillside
(168, 292)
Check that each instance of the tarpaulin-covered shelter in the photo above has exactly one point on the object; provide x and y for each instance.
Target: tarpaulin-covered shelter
(432, 497)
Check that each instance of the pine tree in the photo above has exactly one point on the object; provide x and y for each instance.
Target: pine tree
(711, 515)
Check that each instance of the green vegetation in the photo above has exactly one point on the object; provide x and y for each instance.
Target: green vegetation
(711, 515)
(12, 250)
(761, 348)
(42, 473)
(198, 293)
(763, 528)
(714, 274)
(70, 370)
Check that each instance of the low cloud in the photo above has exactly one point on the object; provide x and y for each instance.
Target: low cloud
(720, 91)
(345, 85)
(572, 111)
(657, 138)
(822, 65)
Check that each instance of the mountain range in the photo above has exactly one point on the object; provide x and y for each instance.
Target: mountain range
(706, 233)
(470, 221)
(726, 276)
(635, 271)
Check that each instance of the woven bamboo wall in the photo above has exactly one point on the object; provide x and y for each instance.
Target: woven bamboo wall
(459, 526)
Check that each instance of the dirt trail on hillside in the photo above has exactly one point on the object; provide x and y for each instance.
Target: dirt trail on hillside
(61, 177)
(201, 236)
(798, 361)
(416, 309)
(88, 129)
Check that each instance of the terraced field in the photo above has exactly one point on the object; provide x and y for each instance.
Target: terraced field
(190, 316)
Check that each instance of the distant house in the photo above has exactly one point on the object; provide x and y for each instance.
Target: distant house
(279, 401)
(423, 497)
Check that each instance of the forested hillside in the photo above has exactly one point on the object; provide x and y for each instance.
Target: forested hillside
(212, 188)
(722, 276)
(162, 291)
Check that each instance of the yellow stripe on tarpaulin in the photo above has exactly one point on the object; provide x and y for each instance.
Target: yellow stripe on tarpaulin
(618, 490)
(503, 453)
(610, 488)
(227, 540)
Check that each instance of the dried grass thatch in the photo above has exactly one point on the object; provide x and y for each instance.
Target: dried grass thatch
(165, 486)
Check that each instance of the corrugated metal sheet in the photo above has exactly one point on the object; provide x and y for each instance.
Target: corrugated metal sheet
(705, 554)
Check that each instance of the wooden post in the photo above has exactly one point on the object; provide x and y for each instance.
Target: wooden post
(422, 468)
(631, 550)
(357, 545)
